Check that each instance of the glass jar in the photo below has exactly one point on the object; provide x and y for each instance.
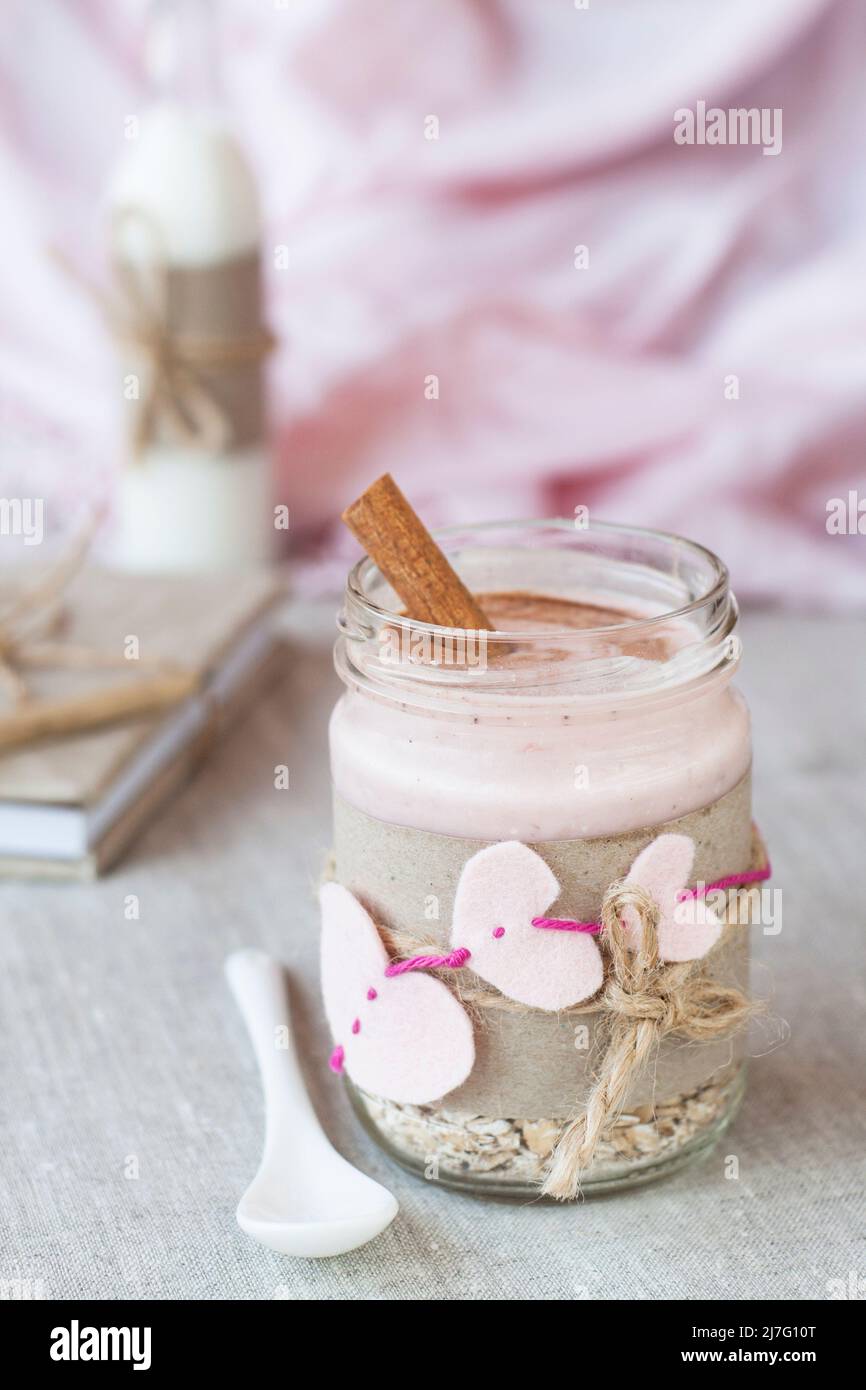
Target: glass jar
(597, 716)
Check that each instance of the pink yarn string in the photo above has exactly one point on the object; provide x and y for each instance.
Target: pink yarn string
(457, 958)
(454, 961)
(730, 881)
(566, 924)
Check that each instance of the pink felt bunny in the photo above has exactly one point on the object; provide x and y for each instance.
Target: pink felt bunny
(405, 1037)
(501, 889)
(687, 927)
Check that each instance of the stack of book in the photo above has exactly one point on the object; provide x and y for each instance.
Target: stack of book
(70, 804)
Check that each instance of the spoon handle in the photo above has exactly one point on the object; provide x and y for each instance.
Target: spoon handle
(258, 983)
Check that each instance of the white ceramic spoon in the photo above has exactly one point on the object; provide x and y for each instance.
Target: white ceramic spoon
(305, 1198)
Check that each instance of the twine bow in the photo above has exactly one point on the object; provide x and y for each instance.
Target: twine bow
(644, 1000)
(173, 388)
(29, 619)
(30, 615)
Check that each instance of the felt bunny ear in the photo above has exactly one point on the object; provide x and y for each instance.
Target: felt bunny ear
(687, 929)
(500, 890)
(406, 1037)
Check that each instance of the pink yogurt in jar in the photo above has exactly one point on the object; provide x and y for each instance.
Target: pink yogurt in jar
(605, 705)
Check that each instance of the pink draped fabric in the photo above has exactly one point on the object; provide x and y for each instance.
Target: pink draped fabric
(432, 317)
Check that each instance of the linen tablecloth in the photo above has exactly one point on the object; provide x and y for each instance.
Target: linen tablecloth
(131, 1110)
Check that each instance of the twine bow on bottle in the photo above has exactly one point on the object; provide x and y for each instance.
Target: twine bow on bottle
(172, 393)
(175, 396)
(644, 1000)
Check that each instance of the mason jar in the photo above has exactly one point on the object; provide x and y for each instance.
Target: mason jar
(599, 715)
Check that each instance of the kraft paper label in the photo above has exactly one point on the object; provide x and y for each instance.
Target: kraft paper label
(216, 306)
(535, 1065)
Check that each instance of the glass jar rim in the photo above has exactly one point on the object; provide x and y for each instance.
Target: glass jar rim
(716, 591)
(661, 653)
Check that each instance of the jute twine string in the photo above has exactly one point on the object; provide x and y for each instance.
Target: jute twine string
(643, 1001)
(174, 389)
(30, 614)
(30, 617)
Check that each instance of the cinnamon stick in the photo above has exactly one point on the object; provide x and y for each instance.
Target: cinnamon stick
(396, 539)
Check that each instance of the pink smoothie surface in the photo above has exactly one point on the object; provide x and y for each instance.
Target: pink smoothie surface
(564, 767)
